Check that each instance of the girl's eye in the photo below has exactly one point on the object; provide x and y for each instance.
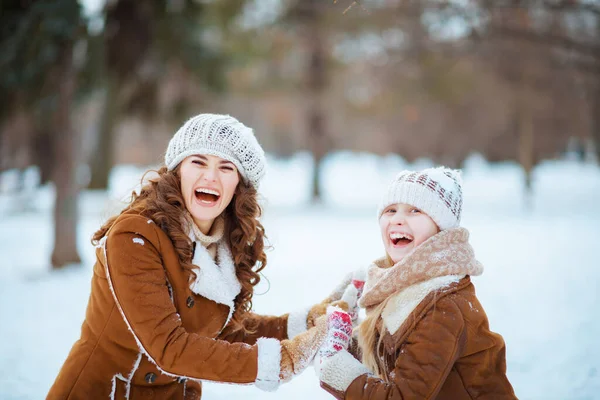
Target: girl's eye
(415, 211)
(390, 211)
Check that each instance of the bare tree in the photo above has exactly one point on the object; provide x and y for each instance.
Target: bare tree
(38, 76)
(316, 82)
(65, 145)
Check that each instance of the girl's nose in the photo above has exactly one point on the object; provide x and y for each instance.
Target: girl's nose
(398, 219)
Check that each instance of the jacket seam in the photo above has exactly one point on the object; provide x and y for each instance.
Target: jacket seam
(92, 352)
(449, 366)
(462, 381)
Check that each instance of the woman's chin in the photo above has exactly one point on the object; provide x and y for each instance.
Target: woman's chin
(204, 214)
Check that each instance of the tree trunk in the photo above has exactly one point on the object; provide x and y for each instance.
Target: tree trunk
(525, 128)
(65, 147)
(595, 134)
(525, 151)
(596, 99)
(103, 158)
(317, 146)
(316, 82)
(44, 154)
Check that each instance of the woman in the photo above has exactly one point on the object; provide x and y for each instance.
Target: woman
(174, 278)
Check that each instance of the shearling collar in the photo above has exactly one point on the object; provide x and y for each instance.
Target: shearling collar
(215, 279)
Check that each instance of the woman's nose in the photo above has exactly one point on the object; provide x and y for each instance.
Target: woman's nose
(210, 174)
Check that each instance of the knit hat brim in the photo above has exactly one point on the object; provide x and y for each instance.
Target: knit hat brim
(435, 191)
(212, 149)
(420, 197)
(222, 136)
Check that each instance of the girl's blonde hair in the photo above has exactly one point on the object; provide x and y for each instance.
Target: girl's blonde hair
(369, 341)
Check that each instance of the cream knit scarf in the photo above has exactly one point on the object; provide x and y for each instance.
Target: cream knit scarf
(446, 253)
(215, 270)
(208, 241)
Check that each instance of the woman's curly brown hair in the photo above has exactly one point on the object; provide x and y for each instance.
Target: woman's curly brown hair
(161, 200)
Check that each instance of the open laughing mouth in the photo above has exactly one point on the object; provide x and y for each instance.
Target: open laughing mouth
(207, 196)
(400, 239)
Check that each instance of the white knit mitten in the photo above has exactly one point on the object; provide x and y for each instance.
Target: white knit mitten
(353, 292)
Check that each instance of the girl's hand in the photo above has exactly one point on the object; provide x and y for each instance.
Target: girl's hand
(346, 299)
(353, 292)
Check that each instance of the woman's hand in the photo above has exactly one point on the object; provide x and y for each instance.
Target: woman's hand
(299, 352)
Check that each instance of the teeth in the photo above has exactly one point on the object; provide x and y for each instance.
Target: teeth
(209, 191)
(397, 235)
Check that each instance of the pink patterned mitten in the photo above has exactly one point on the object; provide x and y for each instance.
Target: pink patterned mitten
(339, 332)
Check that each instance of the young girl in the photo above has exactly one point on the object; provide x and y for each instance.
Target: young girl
(426, 335)
(172, 286)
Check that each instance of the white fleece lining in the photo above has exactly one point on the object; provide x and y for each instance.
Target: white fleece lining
(296, 323)
(401, 305)
(340, 370)
(218, 283)
(113, 390)
(130, 377)
(269, 364)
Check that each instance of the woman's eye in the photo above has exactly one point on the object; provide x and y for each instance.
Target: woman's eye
(198, 162)
(227, 168)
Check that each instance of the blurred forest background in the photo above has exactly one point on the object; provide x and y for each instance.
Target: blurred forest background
(85, 86)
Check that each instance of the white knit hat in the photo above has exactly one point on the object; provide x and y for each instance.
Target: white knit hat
(435, 191)
(222, 136)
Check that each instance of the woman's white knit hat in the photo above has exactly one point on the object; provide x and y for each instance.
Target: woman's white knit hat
(222, 136)
(435, 191)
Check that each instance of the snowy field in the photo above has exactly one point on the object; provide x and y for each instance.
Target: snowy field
(539, 288)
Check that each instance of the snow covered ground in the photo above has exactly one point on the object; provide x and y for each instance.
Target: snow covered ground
(539, 289)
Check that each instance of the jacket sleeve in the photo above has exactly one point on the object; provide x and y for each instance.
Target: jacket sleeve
(263, 326)
(138, 284)
(423, 363)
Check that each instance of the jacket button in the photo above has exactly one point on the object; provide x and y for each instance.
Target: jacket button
(190, 302)
(150, 377)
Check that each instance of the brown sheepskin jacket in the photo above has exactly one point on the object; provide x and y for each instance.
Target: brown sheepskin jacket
(442, 350)
(147, 335)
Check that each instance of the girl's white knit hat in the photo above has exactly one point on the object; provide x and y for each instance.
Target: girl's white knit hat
(222, 136)
(435, 191)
